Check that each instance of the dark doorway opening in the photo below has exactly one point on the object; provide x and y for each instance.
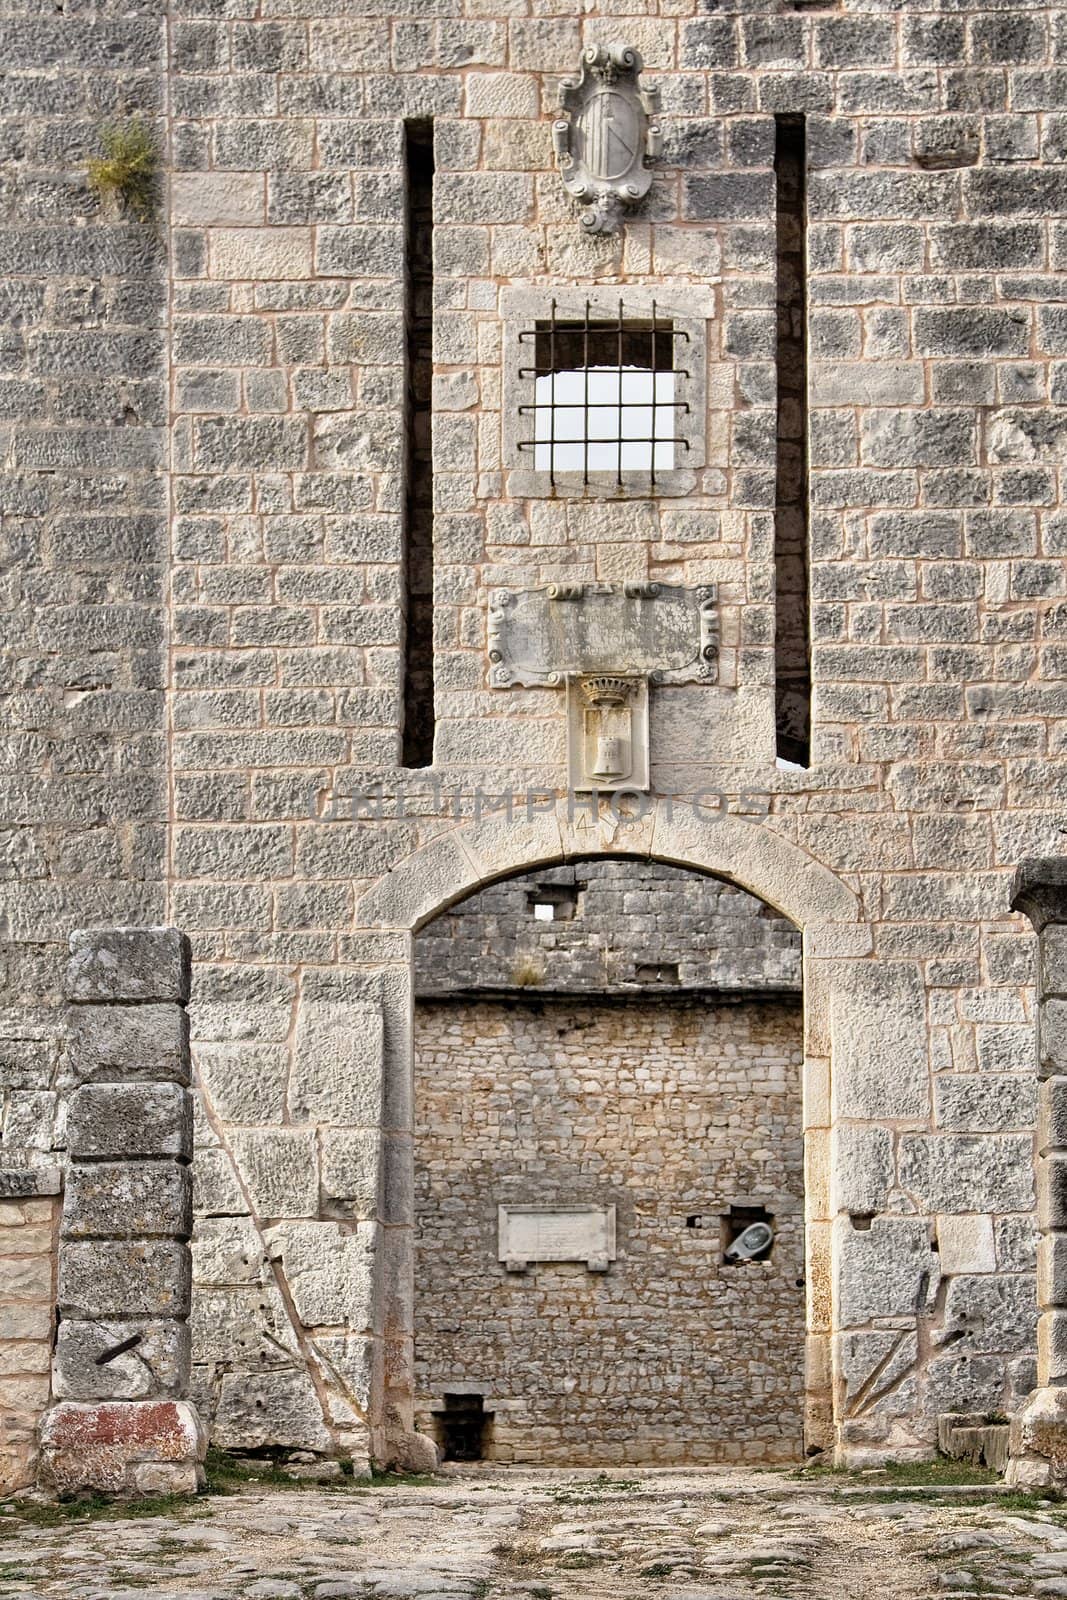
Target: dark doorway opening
(462, 1426)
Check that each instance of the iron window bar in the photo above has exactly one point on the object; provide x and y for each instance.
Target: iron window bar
(628, 336)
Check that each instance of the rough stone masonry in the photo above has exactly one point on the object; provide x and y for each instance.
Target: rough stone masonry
(210, 426)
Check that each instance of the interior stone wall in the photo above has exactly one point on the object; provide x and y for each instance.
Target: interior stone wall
(620, 927)
(667, 1109)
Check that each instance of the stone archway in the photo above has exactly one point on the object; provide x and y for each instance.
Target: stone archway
(840, 980)
(607, 1097)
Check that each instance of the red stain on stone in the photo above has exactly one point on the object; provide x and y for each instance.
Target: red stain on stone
(159, 1425)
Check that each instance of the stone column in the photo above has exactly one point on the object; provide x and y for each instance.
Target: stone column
(121, 1419)
(1039, 1432)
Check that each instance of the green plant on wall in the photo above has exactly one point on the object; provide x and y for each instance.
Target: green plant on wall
(128, 169)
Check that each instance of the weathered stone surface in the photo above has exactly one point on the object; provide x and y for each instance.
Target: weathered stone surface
(329, 1271)
(351, 1358)
(228, 1250)
(123, 1199)
(126, 1121)
(279, 1167)
(134, 1278)
(127, 964)
(1038, 1444)
(968, 1172)
(965, 1244)
(862, 1168)
(17, 1183)
(103, 1446)
(111, 1043)
(337, 1067)
(993, 1313)
(880, 1042)
(886, 1270)
(121, 1360)
(242, 1325)
(270, 1408)
(351, 1171)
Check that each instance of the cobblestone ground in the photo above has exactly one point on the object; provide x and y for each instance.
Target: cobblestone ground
(549, 1535)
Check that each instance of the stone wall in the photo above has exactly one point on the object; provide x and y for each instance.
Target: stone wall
(28, 1218)
(616, 927)
(84, 546)
(121, 1421)
(671, 1110)
(936, 248)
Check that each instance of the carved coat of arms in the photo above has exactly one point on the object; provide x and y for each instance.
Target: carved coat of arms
(610, 134)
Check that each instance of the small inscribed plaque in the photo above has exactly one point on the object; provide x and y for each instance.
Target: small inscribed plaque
(556, 1233)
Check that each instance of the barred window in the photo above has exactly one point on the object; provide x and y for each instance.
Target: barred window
(605, 395)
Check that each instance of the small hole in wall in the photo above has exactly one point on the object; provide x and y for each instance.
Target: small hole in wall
(555, 902)
(657, 972)
(861, 1220)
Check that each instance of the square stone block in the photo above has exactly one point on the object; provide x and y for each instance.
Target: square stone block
(965, 1244)
(126, 1198)
(110, 1044)
(121, 1360)
(125, 1120)
(129, 1278)
(107, 1446)
(128, 964)
(147, 1044)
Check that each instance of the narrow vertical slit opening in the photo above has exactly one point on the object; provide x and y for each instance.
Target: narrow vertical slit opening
(792, 627)
(418, 574)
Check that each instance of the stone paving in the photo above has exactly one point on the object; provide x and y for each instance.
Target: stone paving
(491, 1534)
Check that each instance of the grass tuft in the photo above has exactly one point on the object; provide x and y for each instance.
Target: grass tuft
(128, 169)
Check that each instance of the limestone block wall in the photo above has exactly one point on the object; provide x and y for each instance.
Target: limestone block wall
(121, 1419)
(670, 1109)
(617, 927)
(29, 1213)
(83, 501)
(286, 1322)
(935, 250)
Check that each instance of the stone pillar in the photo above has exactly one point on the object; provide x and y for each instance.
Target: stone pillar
(1039, 1432)
(121, 1421)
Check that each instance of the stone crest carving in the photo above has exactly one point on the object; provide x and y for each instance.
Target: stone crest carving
(610, 134)
(605, 643)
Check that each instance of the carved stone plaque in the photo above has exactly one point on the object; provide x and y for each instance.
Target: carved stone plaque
(556, 1233)
(603, 142)
(537, 637)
